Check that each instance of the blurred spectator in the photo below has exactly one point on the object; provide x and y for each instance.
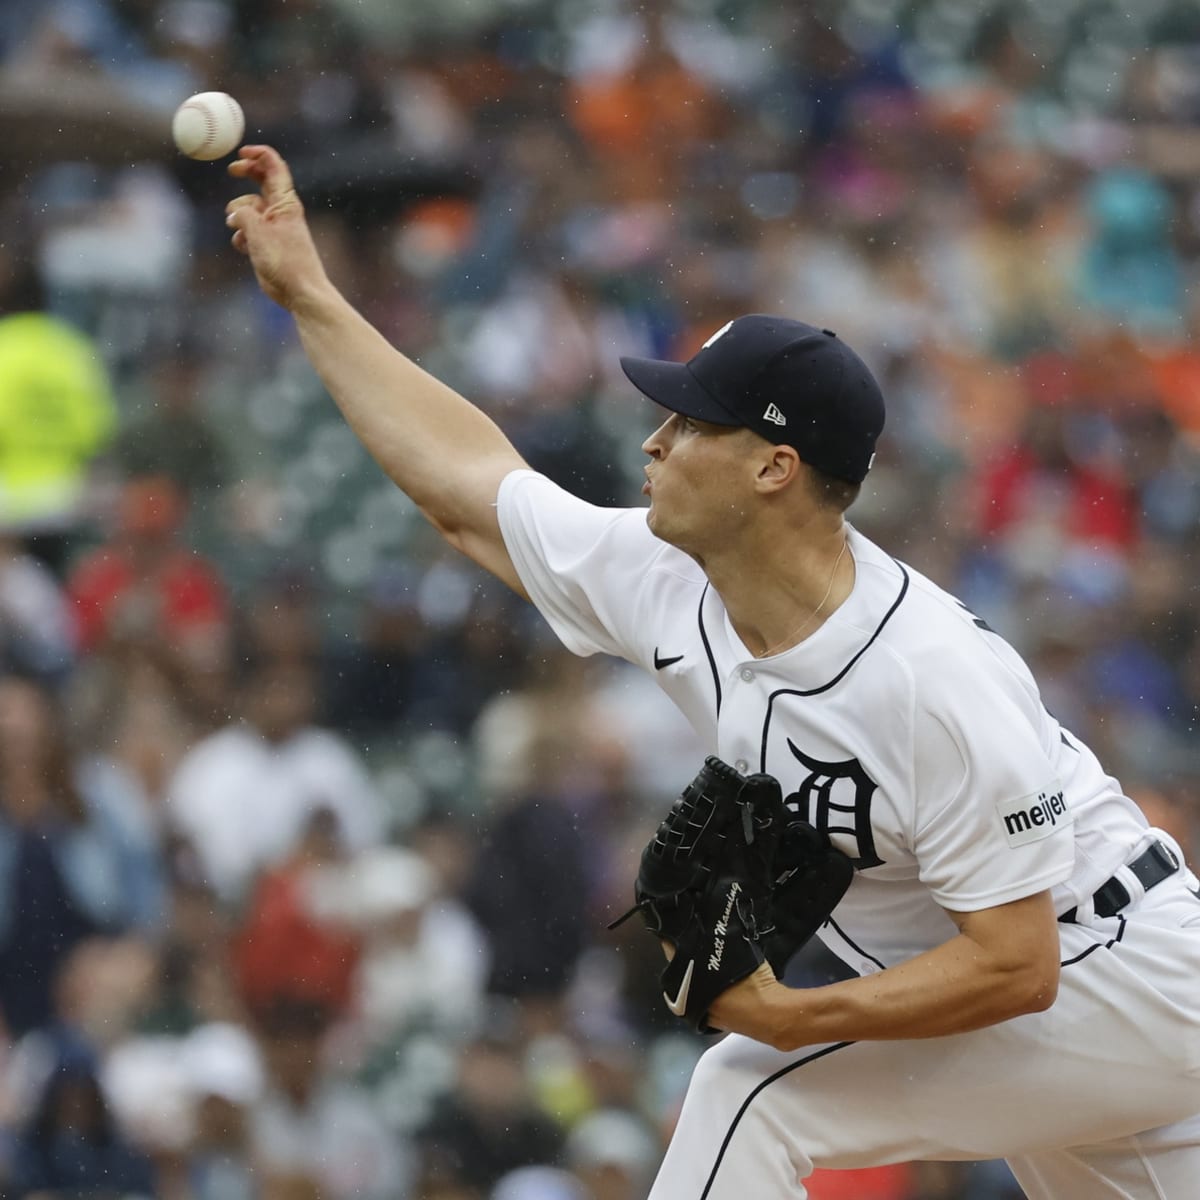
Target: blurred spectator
(37, 633)
(614, 1154)
(70, 1145)
(285, 945)
(531, 872)
(538, 1183)
(154, 628)
(431, 649)
(487, 650)
(1051, 508)
(62, 856)
(281, 622)
(146, 584)
(313, 1124)
(643, 116)
(101, 989)
(1130, 270)
(384, 671)
(225, 1076)
(488, 1125)
(243, 796)
(136, 821)
(57, 413)
(154, 675)
(174, 436)
(186, 1100)
(423, 959)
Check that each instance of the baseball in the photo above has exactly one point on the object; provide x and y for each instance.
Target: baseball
(208, 125)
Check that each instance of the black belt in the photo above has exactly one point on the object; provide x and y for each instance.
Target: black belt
(1151, 867)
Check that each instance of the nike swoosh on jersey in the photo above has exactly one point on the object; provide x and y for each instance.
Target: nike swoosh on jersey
(659, 663)
(679, 1005)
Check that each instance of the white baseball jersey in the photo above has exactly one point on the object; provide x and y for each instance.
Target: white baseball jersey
(916, 738)
(903, 727)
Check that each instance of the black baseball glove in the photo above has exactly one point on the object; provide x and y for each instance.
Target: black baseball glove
(731, 880)
(811, 876)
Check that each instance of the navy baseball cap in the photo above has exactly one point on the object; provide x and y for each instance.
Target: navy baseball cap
(792, 383)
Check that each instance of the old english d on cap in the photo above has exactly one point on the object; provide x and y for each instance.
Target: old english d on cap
(792, 383)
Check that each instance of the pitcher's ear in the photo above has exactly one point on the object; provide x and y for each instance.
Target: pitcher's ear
(779, 468)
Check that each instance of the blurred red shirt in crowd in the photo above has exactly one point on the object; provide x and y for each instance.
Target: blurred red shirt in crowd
(870, 1183)
(145, 582)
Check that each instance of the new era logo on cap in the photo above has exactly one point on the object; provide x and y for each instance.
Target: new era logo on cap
(793, 384)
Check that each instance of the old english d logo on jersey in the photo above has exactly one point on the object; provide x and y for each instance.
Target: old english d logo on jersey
(836, 798)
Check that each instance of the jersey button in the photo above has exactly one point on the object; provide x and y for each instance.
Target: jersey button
(742, 766)
(747, 675)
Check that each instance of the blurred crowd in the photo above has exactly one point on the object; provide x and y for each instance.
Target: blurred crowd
(309, 832)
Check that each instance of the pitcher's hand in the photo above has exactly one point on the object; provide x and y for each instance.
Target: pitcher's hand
(270, 229)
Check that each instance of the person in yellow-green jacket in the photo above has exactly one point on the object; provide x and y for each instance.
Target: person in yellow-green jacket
(56, 414)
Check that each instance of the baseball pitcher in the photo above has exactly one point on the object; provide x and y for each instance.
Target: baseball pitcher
(882, 771)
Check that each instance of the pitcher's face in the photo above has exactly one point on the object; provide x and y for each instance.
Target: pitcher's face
(700, 480)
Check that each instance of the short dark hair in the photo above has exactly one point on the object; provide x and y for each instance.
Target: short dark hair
(832, 492)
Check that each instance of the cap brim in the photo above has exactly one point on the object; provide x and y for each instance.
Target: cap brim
(673, 386)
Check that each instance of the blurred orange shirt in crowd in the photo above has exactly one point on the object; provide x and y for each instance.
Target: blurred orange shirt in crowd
(641, 123)
(1177, 377)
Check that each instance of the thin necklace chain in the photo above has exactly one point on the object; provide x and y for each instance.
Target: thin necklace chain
(837, 562)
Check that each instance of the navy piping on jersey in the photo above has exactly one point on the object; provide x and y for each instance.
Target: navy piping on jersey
(853, 945)
(750, 1099)
(887, 616)
(712, 662)
(1112, 941)
(825, 1050)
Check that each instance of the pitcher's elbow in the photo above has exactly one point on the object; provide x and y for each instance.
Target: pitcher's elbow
(1040, 989)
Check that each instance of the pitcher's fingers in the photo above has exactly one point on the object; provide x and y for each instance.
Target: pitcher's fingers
(247, 164)
(255, 203)
(266, 167)
(236, 230)
(239, 242)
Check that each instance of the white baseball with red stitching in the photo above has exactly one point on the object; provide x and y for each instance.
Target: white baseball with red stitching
(208, 125)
